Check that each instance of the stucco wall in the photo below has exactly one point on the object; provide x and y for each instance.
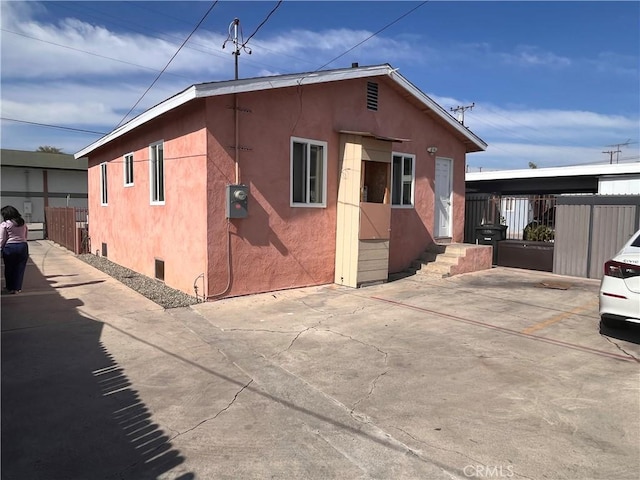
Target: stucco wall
(279, 246)
(136, 232)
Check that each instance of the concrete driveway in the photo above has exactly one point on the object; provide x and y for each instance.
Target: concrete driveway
(496, 374)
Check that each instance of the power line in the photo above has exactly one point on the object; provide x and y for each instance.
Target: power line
(263, 22)
(52, 126)
(144, 29)
(168, 63)
(86, 51)
(371, 36)
(617, 151)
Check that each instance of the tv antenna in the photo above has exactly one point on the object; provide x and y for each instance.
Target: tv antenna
(238, 45)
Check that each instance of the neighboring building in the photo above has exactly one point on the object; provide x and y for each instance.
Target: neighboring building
(349, 175)
(528, 195)
(568, 220)
(606, 179)
(32, 181)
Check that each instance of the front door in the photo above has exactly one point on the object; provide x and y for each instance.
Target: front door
(443, 198)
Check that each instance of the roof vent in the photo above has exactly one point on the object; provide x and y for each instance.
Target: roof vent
(372, 96)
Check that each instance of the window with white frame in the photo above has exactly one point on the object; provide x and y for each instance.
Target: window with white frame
(128, 170)
(103, 184)
(308, 173)
(156, 172)
(402, 180)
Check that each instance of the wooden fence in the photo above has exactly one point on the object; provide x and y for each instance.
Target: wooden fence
(68, 226)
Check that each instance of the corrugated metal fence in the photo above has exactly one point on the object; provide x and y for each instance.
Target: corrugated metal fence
(590, 229)
(67, 226)
(587, 229)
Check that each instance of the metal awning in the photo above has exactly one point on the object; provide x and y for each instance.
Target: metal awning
(376, 136)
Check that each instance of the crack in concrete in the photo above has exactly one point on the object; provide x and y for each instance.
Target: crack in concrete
(373, 387)
(436, 447)
(477, 462)
(312, 327)
(216, 415)
(360, 342)
(296, 338)
(630, 355)
(264, 330)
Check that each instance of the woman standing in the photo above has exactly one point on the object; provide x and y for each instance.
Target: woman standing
(15, 250)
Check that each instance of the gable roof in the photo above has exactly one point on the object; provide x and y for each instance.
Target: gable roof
(473, 142)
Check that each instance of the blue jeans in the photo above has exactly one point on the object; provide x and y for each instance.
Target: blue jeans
(15, 256)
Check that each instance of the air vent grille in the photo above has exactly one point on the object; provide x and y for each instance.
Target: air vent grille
(372, 96)
(159, 269)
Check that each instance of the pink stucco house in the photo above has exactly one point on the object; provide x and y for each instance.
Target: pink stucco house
(252, 185)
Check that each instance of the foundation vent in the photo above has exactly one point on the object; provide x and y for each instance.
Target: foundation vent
(372, 96)
(159, 269)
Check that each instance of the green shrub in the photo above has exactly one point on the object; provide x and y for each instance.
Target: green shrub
(539, 233)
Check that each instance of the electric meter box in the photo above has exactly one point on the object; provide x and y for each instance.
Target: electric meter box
(237, 201)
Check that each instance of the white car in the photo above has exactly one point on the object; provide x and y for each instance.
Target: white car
(620, 286)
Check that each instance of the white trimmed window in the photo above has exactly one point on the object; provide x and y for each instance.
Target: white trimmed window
(403, 176)
(156, 173)
(128, 170)
(104, 199)
(308, 173)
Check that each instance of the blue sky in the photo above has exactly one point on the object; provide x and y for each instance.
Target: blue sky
(554, 83)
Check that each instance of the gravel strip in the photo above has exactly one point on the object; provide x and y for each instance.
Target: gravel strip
(154, 290)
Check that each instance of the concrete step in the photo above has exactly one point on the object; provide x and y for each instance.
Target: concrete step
(443, 269)
(452, 248)
(428, 257)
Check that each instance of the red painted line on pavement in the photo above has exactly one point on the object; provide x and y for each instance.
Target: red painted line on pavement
(512, 332)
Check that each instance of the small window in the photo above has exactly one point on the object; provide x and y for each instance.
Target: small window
(372, 96)
(128, 170)
(104, 199)
(402, 180)
(308, 173)
(156, 173)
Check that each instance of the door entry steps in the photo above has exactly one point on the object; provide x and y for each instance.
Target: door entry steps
(446, 260)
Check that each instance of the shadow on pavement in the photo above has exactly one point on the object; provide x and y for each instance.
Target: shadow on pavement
(68, 409)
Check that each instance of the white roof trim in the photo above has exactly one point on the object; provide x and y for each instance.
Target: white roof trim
(280, 81)
(573, 171)
(477, 141)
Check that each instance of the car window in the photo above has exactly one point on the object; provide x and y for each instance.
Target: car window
(636, 241)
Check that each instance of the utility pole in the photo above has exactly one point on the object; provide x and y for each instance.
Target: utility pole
(460, 111)
(611, 152)
(617, 150)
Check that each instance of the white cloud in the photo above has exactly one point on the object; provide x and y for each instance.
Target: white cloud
(46, 83)
(530, 56)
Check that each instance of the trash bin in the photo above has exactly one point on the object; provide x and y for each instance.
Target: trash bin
(491, 235)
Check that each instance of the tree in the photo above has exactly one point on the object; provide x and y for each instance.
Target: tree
(532, 165)
(48, 149)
